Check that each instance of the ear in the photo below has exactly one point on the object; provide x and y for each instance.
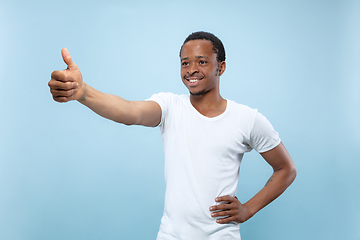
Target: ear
(222, 68)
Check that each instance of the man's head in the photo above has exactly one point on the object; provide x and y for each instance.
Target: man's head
(218, 47)
(202, 63)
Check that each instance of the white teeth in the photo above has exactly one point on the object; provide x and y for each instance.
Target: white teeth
(193, 80)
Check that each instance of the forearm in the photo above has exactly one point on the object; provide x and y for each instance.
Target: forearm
(109, 106)
(68, 85)
(275, 186)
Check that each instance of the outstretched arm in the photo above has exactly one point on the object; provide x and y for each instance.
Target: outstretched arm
(67, 85)
(283, 175)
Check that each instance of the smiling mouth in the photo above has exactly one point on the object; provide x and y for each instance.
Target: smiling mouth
(194, 80)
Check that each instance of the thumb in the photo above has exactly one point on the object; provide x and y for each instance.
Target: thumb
(67, 58)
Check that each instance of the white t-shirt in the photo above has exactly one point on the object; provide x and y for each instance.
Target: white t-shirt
(202, 160)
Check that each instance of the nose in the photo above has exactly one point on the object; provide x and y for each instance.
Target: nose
(193, 69)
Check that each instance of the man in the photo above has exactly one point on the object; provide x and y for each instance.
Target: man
(204, 136)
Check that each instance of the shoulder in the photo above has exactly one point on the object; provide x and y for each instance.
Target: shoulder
(242, 112)
(169, 103)
(241, 107)
(168, 100)
(261, 135)
(166, 96)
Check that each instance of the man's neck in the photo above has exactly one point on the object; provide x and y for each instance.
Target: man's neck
(210, 104)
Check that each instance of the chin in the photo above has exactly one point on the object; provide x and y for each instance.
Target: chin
(200, 93)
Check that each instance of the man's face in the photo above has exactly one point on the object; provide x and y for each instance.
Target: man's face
(200, 70)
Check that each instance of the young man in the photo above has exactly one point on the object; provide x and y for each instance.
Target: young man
(204, 137)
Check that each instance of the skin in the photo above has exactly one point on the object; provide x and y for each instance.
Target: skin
(284, 173)
(198, 61)
(67, 85)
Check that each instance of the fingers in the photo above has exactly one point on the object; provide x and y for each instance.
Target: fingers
(226, 198)
(62, 91)
(67, 59)
(63, 96)
(224, 213)
(225, 216)
(226, 220)
(227, 210)
(222, 207)
(227, 201)
(59, 85)
(64, 84)
(62, 75)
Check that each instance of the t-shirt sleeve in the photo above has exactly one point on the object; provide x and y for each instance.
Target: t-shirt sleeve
(263, 137)
(162, 99)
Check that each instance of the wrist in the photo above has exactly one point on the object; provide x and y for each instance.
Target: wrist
(82, 97)
(250, 210)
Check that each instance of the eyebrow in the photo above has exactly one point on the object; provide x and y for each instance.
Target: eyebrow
(201, 56)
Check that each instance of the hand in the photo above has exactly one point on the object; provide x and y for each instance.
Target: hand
(67, 85)
(233, 209)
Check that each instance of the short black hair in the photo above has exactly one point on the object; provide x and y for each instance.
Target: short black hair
(218, 47)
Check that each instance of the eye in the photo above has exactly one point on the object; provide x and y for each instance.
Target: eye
(202, 62)
(184, 63)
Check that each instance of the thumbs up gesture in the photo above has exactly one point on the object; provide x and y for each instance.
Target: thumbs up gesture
(66, 85)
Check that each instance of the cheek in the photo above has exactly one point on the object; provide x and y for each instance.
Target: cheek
(182, 72)
(215, 71)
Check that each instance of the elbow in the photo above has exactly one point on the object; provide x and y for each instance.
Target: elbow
(127, 122)
(288, 174)
(292, 174)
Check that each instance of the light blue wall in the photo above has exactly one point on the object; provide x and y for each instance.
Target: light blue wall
(66, 173)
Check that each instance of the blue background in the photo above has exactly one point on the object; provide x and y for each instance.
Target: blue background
(66, 173)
